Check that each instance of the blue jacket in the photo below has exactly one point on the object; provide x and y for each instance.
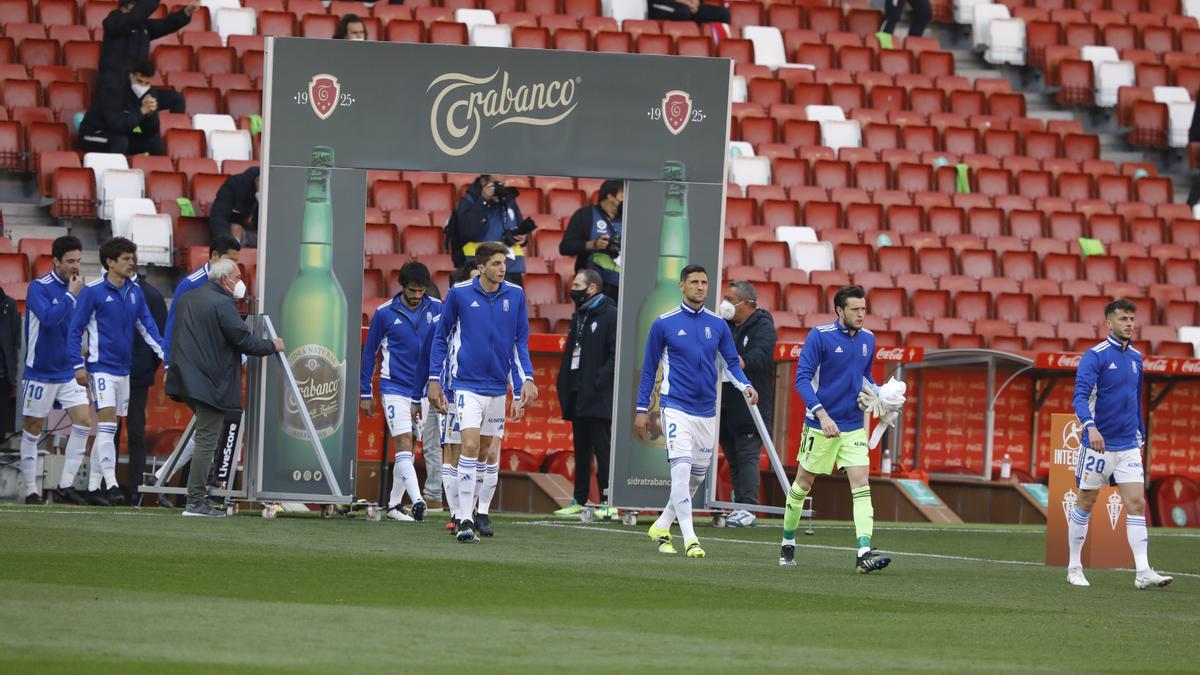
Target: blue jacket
(491, 339)
(832, 369)
(1108, 394)
(405, 336)
(189, 283)
(687, 343)
(48, 309)
(110, 315)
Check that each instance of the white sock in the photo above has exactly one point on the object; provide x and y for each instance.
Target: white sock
(1135, 531)
(397, 494)
(185, 456)
(450, 488)
(681, 497)
(407, 473)
(106, 442)
(491, 477)
(1077, 526)
(29, 450)
(466, 487)
(95, 475)
(76, 449)
(696, 479)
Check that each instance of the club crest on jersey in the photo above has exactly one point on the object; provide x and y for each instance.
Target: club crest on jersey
(594, 324)
(707, 333)
(1133, 366)
(506, 304)
(864, 350)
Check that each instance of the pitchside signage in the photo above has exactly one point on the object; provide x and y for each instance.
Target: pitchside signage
(386, 105)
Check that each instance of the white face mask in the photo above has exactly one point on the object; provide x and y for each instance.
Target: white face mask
(358, 38)
(727, 310)
(258, 196)
(140, 90)
(239, 290)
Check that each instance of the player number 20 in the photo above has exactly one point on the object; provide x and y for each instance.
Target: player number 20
(1093, 464)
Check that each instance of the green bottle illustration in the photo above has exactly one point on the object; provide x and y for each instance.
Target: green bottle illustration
(314, 332)
(673, 243)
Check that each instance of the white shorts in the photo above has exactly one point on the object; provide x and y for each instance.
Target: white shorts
(1103, 469)
(399, 414)
(111, 391)
(448, 425)
(689, 436)
(485, 413)
(40, 397)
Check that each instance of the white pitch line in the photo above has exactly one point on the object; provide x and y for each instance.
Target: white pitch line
(950, 530)
(939, 556)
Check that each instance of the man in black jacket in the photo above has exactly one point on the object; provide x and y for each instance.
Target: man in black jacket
(206, 369)
(10, 344)
(585, 387)
(123, 117)
(489, 212)
(128, 31)
(687, 10)
(234, 210)
(1194, 137)
(754, 336)
(141, 378)
(593, 235)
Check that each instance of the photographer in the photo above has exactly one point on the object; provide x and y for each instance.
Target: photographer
(593, 236)
(489, 212)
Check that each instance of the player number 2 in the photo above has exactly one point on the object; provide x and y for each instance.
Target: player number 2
(671, 430)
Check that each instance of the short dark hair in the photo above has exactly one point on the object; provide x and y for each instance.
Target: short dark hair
(64, 245)
(845, 293)
(609, 188)
(487, 249)
(144, 68)
(344, 26)
(692, 269)
(414, 272)
(592, 277)
(224, 243)
(114, 248)
(462, 273)
(1121, 305)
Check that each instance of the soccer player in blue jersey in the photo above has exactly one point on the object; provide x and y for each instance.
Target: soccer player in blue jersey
(834, 367)
(688, 342)
(402, 329)
(488, 319)
(49, 367)
(110, 310)
(1108, 402)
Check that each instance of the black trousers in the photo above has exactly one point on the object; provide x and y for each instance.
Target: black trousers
(742, 452)
(592, 439)
(665, 10)
(921, 14)
(131, 144)
(135, 429)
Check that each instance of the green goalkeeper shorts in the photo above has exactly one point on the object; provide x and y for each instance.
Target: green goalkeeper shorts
(820, 454)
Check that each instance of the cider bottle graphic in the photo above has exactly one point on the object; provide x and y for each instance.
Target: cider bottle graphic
(314, 333)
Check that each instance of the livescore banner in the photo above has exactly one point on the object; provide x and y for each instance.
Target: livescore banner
(387, 105)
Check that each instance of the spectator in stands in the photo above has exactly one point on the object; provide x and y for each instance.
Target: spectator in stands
(921, 14)
(124, 119)
(754, 336)
(593, 236)
(128, 31)
(141, 378)
(235, 208)
(206, 369)
(687, 10)
(585, 386)
(1194, 137)
(350, 27)
(10, 344)
(489, 212)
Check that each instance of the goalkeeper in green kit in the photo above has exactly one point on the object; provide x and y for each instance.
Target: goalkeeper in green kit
(834, 368)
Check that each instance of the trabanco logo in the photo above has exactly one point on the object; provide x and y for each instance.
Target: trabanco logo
(465, 103)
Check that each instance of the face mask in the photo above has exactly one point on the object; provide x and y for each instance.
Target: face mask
(358, 39)
(258, 196)
(579, 297)
(140, 90)
(727, 310)
(239, 290)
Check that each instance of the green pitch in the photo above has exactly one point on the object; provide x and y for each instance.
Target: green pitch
(90, 591)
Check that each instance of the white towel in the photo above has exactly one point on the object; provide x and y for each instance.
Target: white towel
(886, 407)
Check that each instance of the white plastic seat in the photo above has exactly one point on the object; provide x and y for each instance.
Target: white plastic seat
(229, 21)
(1098, 55)
(120, 184)
(152, 234)
(1171, 95)
(1181, 122)
(1191, 333)
(1110, 77)
(214, 5)
(841, 134)
(740, 149)
(126, 208)
(750, 171)
(474, 17)
(1191, 8)
(794, 234)
(1006, 40)
(491, 36)
(812, 256)
(230, 145)
(964, 10)
(738, 89)
(100, 162)
(210, 123)
(821, 113)
(768, 45)
(982, 21)
(624, 9)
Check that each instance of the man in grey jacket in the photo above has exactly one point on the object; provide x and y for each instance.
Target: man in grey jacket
(206, 369)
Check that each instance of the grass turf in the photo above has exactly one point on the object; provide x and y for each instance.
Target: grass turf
(84, 590)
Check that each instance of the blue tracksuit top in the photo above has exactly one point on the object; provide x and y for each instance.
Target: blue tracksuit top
(687, 342)
(48, 309)
(110, 315)
(831, 371)
(1108, 394)
(189, 283)
(491, 339)
(405, 337)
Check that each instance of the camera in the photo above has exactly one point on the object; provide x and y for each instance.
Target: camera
(505, 193)
(525, 227)
(614, 245)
